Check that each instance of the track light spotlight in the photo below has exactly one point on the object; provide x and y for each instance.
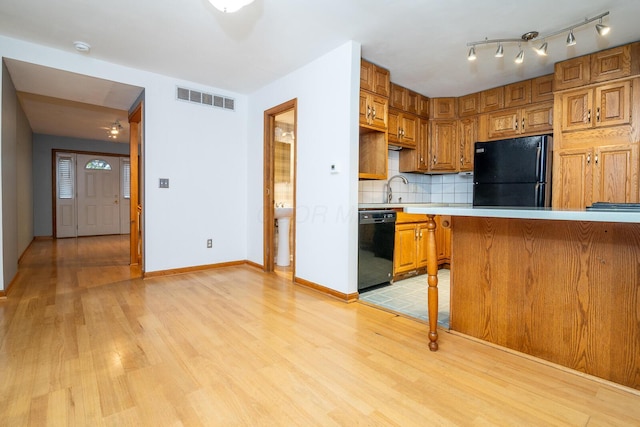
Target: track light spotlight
(571, 39)
(500, 51)
(520, 57)
(602, 29)
(542, 50)
(472, 54)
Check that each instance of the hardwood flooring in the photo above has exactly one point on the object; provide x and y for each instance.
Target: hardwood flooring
(83, 343)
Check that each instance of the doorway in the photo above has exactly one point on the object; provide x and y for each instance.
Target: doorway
(280, 147)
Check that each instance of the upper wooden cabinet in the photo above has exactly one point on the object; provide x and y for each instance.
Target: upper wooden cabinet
(417, 160)
(442, 108)
(530, 120)
(542, 88)
(373, 111)
(402, 128)
(469, 105)
(492, 99)
(443, 145)
(517, 94)
(404, 99)
(423, 106)
(374, 78)
(604, 105)
(609, 64)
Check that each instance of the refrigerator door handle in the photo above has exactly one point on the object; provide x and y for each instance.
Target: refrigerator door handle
(538, 165)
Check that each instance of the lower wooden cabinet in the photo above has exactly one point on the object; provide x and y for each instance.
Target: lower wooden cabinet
(606, 173)
(410, 251)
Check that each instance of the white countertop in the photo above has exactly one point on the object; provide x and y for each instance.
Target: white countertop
(526, 213)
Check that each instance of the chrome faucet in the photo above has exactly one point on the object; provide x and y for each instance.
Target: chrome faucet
(388, 185)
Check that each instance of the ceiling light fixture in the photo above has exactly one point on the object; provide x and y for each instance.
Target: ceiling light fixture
(472, 54)
(229, 6)
(532, 35)
(82, 47)
(520, 57)
(114, 130)
(602, 29)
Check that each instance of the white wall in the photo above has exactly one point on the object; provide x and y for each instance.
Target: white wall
(327, 133)
(202, 150)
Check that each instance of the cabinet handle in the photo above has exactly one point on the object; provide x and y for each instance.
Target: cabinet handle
(588, 158)
(522, 124)
(516, 125)
(589, 116)
(374, 112)
(434, 160)
(597, 116)
(596, 159)
(461, 160)
(421, 234)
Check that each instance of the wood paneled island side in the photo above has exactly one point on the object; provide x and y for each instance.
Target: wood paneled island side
(563, 286)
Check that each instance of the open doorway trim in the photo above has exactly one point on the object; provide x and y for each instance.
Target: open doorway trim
(269, 182)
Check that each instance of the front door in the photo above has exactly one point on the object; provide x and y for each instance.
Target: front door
(98, 179)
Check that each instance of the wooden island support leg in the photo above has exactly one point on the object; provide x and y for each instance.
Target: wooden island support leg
(432, 280)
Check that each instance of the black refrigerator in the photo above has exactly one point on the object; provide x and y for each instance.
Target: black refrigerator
(513, 172)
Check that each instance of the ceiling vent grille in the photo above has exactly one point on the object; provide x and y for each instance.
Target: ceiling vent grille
(198, 97)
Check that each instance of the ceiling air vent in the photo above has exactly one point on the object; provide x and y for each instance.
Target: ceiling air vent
(202, 98)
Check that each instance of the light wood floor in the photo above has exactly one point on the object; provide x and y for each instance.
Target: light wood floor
(83, 344)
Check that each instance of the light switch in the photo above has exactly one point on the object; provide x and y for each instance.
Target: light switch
(334, 168)
(164, 182)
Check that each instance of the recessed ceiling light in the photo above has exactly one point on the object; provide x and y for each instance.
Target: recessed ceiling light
(82, 47)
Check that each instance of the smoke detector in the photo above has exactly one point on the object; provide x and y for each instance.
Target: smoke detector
(82, 47)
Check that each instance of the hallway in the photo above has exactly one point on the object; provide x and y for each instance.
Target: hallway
(81, 343)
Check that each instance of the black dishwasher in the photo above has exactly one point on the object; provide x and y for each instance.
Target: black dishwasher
(376, 236)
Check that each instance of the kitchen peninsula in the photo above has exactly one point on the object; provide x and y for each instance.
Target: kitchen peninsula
(560, 285)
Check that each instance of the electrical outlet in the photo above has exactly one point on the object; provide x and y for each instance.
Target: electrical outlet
(209, 243)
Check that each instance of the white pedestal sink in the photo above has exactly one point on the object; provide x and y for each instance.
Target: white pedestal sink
(283, 216)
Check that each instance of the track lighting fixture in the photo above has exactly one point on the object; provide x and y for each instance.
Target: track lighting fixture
(542, 50)
(601, 29)
(520, 56)
(472, 54)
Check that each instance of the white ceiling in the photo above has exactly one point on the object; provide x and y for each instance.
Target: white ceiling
(422, 42)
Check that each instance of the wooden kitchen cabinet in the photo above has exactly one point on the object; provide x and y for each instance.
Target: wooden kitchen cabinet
(468, 134)
(404, 99)
(604, 105)
(373, 154)
(373, 111)
(573, 72)
(443, 145)
(410, 246)
(402, 128)
(531, 120)
(374, 79)
(469, 105)
(517, 94)
(492, 99)
(542, 89)
(443, 108)
(423, 106)
(607, 173)
(417, 160)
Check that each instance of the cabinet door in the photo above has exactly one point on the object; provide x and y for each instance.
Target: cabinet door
(412, 102)
(572, 73)
(409, 130)
(443, 108)
(615, 174)
(365, 108)
(611, 64)
(517, 94)
(469, 105)
(382, 81)
(537, 118)
(423, 106)
(492, 99)
(613, 104)
(576, 110)
(572, 179)
(422, 248)
(393, 126)
(504, 124)
(404, 253)
(542, 88)
(443, 238)
(468, 137)
(398, 96)
(443, 145)
(379, 111)
(366, 75)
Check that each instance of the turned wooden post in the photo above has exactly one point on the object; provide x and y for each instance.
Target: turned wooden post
(432, 280)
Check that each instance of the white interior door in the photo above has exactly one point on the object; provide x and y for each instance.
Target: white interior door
(98, 181)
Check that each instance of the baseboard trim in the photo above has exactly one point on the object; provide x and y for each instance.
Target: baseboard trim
(174, 271)
(348, 298)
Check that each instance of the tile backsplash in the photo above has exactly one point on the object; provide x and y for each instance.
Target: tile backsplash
(446, 188)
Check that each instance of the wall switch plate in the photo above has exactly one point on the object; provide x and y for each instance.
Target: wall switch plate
(164, 182)
(209, 243)
(334, 168)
